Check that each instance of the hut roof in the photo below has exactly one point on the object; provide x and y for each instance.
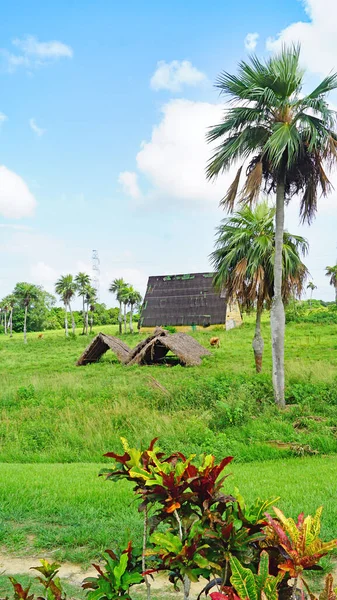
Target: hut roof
(155, 348)
(99, 345)
(185, 299)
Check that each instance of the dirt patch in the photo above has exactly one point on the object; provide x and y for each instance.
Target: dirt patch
(74, 574)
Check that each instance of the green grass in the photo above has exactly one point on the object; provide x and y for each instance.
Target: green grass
(67, 511)
(53, 411)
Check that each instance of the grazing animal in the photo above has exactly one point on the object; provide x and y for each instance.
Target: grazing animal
(40, 336)
(214, 341)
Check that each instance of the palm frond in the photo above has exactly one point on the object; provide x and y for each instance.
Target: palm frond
(228, 201)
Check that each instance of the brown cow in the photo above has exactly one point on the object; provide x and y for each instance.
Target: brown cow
(40, 336)
(214, 341)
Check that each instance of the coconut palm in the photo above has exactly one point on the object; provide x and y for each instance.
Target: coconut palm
(82, 281)
(332, 273)
(118, 287)
(311, 286)
(134, 299)
(287, 141)
(244, 261)
(26, 294)
(11, 303)
(124, 296)
(65, 287)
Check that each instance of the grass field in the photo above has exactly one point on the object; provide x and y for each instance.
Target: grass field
(54, 412)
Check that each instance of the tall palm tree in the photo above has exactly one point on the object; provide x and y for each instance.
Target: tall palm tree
(332, 273)
(4, 307)
(124, 296)
(90, 299)
(311, 286)
(11, 303)
(82, 281)
(287, 142)
(65, 287)
(118, 287)
(244, 260)
(134, 298)
(26, 294)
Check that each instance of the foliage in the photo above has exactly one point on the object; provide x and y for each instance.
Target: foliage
(116, 577)
(300, 540)
(49, 580)
(244, 257)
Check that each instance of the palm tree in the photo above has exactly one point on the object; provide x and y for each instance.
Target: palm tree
(244, 259)
(90, 298)
(311, 286)
(118, 287)
(65, 287)
(124, 296)
(134, 298)
(4, 309)
(332, 273)
(26, 294)
(82, 281)
(288, 142)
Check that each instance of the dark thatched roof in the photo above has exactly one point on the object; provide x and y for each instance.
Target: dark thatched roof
(149, 351)
(182, 300)
(99, 345)
(156, 347)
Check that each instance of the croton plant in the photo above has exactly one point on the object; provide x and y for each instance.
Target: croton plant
(194, 531)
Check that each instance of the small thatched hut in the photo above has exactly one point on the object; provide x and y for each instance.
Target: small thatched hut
(156, 347)
(99, 345)
(152, 350)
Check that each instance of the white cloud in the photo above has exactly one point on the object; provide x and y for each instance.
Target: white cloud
(31, 46)
(16, 200)
(38, 130)
(129, 183)
(43, 274)
(35, 53)
(174, 75)
(251, 41)
(175, 158)
(318, 37)
(3, 118)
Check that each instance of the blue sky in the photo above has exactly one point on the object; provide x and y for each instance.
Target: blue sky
(102, 147)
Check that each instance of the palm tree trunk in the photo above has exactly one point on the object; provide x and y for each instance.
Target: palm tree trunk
(258, 343)
(83, 316)
(72, 319)
(11, 324)
(5, 322)
(277, 316)
(25, 325)
(120, 318)
(86, 320)
(131, 317)
(66, 318)
(124, 317)
(336, 294)
(91, 322)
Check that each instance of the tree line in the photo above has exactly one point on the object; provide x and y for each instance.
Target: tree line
(30, 308)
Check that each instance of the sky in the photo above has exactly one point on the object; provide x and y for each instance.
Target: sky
(104, 108)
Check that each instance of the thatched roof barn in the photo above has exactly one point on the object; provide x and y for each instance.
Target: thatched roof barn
(152, 350)
(185, 300)
(99, 345)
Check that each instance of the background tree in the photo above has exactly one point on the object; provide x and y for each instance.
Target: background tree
(134, 299)
(26, 294)
(125, 299)
(118, 287)
(288, 140)
(332, 273)
(11, 304)
(90, 298)
(65, 287)
(4, 306)
(311, 286)
(244, 259)
(82, 281)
